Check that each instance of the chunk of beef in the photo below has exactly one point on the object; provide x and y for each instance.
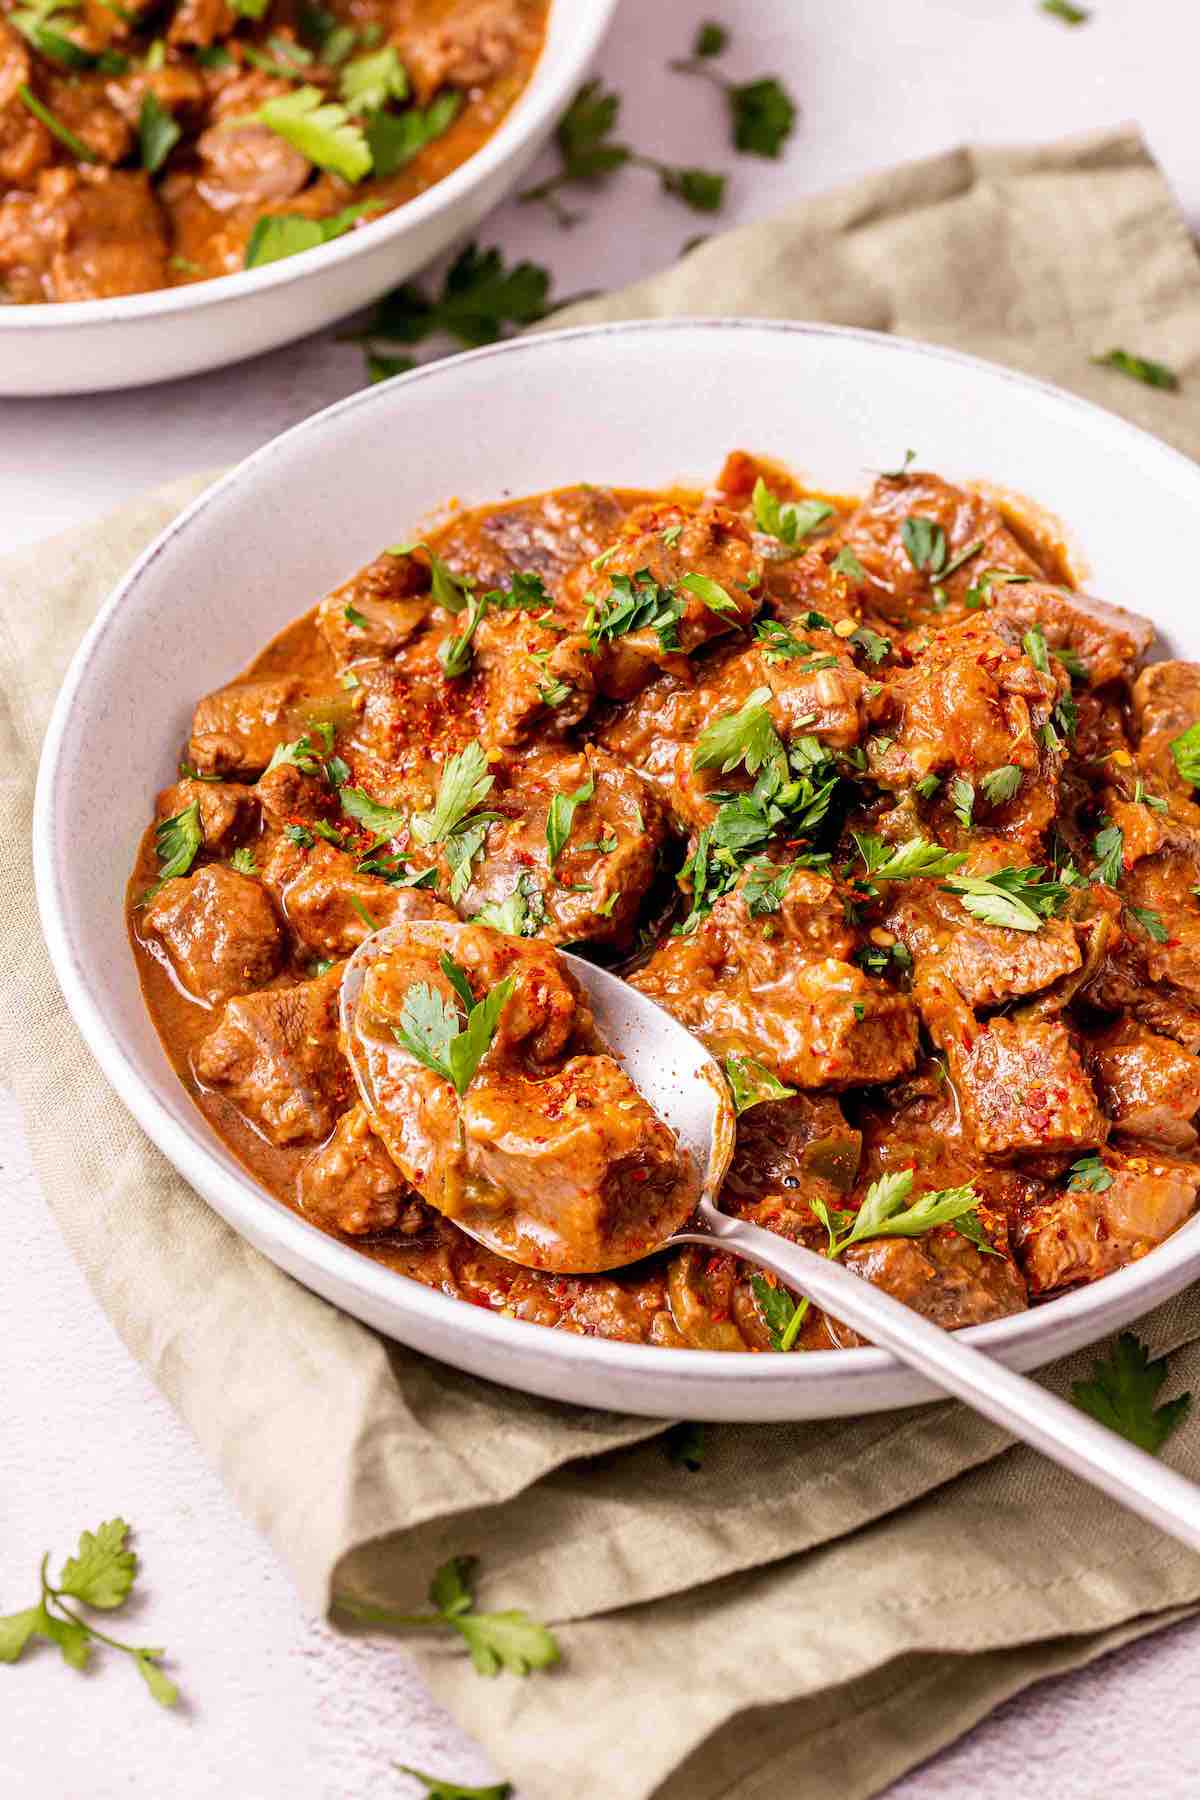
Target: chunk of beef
(201, 22)
(352, 1185)
(594, 888)
(875, 532)
(782, 990)
(81, 104)
(1119, 987)
(275, 1056)
(1166, 701)
(246, 164)
(1148, 1085)
(668, 544)
(1080, 1235)
(220, 931)
(330, 907)
(87, 233)
(788, 1151)
(25, 144)
(178, 89)
(988, 964)
(377, 610)
(461, 44)
(1109, 641)
(1167, 953)
(546, 535)
(942, 1276)
(1023, 1087)
(237, 730)
(226, 809)
(534, 678)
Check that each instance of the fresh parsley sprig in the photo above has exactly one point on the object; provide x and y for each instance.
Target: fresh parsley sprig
(1016, 899)
(432, 1031)
(561, 817)
(177, 842)
(439, 1787)
(1139, 368)
(496, 1640)
(100, 1576)
(747, 735)
(1122, 1392)
(883, 1213)
(901, 862)
(1185, 752)
(479, 299)
(762, 114)
(791, 521)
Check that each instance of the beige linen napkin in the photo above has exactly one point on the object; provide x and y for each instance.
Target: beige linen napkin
(822, 1605)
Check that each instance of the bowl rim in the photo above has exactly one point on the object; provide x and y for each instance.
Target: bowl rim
(533, 110)
(257, 1215)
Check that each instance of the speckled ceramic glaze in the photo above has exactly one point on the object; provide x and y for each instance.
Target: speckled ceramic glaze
(636, 404)
(86, 346)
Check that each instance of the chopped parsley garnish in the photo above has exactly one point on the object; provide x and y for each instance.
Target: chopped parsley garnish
(776, 643)
(158, 133)
(438, 1787)
(100, 1576)
(276, 235)
(962, 799)
(1034, 646)
(243, 861)
(479, 298)
(319, 129)
(637, 603)
(1013, 899)
(765, 885)
(788, 520)
(1089, 1175)
(382, 821)
(393, 139)
(1139, 368)
(883, 1213)
(901, 862)
(455, 653)
(1109, 847)
(299, 754)
(501, 1640)
(177, 842)
(1122, 1391)
(715, 597)
(846, 563)
(522, 914)
(369, 82)
(746, 735)
(751, 1083)
(464, 785)
(1066, 11)
(877, 649)
(448, 589)
(762, 114)
(433, 1031)
(561, 817)
(1150, 921)
(55, 126)
(925, 543)
(1001, 784)
(1185, 750)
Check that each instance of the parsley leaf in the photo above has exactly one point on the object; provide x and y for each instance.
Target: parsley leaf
(158, 133)
(521, 914)
(243, 861)
(775, 1305)
(448, 589)
(1001, 784)
(1139, 368)
(962, 798)
(715, 597)
(846, 563)
(1066, 11)
(751, 1082)
(100, 1575)
(925, 543)
(319, 129)
(1089, 1175)
(711, 39)
(763, 115)
(1122, 1392)
(369, 82)
(635, 604)
(876, 648)
(464, 785)
(1013, 899)
(395, 138)
(455, 653)
(502, 1640)
(1109, 846)
(1185, 750)
(776, 643)
(437, 1787)
(562, 815)
(478, 299)
(583, 138)
(898, 862)
(177, 843)
(787, 520)
(1150, 921)
(747, 735)
(430, 1029)
(381, 821)
(299, 754)
(276, 235)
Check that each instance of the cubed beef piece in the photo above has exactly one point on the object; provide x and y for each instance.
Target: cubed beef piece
(331, 908)
(220, 931)
(876, 534)
(226, 809)
(238, 729)
(943, 1276)
(1079, 1235)
(463, 45)
(580, 1151)
(1024, 1089)
(990, 965)
(352, 1185)
(80, 103)
(545, 535)
(104, 232)
(1148, 1085)
(1166, 699)
(1109, 641)
(377, 610)
(1120, 987)
(668, 543)
(178, 90)
(799, 585)
(972, 702)
(248, 165)
(792, 1149)
(1165, 950)
(275, 1056)
(534, 678)
(783, 991)
(598, 880)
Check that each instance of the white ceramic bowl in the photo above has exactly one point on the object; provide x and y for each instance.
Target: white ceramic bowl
(642, 405)
(87, 346)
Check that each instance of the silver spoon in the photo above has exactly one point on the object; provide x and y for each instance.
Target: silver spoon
(683, 1083)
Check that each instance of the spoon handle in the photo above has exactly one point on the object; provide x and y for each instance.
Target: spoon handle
(1059, 1430)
